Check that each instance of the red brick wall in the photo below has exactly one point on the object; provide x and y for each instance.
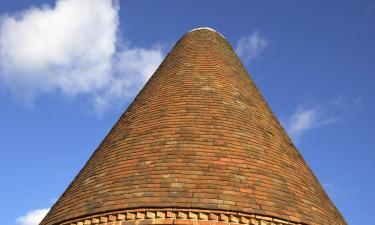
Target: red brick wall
(177, 217)
(199, 135)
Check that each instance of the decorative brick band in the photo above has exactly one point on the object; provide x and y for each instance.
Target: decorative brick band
(173, 216)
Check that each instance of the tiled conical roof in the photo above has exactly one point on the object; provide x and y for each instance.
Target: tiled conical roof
(199, 144)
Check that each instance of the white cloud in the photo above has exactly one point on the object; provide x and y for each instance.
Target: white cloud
(33, 217)
(132, 68)
(67, 48)
(71, 49)
(250, 47)
(306, 118)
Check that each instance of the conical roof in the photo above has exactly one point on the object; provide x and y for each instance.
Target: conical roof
(199, 138)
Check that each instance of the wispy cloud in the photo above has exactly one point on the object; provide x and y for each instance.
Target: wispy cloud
(305, 118)
(72, 49)
(336, 190)
(312, 114)
(32, 217)
(330, 189)
(250, 47)
(359, 100)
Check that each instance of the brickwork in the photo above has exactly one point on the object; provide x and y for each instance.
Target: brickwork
(166, 216)
(199, 136)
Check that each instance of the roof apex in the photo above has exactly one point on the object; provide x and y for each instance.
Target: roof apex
(208, 29)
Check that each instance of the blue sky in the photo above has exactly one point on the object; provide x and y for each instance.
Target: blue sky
(68, 69)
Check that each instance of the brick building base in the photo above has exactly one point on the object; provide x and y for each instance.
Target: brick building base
(169, 216)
